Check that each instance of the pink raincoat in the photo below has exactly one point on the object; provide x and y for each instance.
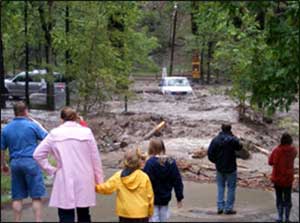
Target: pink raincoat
(78, 165)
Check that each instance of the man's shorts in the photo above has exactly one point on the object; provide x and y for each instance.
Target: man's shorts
(26, 179)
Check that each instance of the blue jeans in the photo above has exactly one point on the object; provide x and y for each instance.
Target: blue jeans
(160, 214)
(224, 179)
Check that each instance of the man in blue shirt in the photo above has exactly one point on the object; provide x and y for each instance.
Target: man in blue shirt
(21, 137)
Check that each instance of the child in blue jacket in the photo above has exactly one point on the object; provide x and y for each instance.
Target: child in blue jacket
(164, 176)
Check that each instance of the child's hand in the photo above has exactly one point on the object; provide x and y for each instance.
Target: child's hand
(179, 204)
(97, 188)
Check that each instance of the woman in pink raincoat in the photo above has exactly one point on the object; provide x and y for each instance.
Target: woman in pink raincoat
(78, 167)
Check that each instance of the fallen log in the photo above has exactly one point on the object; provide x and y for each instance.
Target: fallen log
(262, 150)
(242, 166)
(154, 130)
(207, 167)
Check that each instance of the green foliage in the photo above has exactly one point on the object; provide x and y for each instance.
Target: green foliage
(106, 42)
(5, 184)
(263, 61)
(290, 125)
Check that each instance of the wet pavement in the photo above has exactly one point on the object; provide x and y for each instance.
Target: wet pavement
(199, 206)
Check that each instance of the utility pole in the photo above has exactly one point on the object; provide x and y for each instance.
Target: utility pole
(26, 53)
(67, 56)
(173, 39)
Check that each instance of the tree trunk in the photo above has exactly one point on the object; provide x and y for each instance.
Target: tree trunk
(40, 54)
(173, 43)
(26, 54)
(202, 64)
(67, 56)
(2, 85)
(208, 61)
(194, 28)
(218, 76)
(47, 27)
(193, 17)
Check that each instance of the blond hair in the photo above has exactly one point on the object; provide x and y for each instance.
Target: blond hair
(132, 159)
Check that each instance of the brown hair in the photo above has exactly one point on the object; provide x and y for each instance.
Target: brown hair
(68, 114)
(19, 108)
(156, 146)
(132, 159)
(226, 128)
(286, 139)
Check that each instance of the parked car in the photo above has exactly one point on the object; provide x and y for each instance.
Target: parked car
(15, 87)
(175, 86)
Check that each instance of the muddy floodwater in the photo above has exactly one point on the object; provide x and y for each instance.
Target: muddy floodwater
(190, 124)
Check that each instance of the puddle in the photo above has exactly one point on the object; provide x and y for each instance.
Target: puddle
(200, 202)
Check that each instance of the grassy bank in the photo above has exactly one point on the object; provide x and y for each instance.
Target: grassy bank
(5, 189)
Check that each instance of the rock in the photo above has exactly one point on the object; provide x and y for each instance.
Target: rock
(199, 154)
(116, 146)
(124, 124)
(123, 144)
(243, 154)
(183, 165)
(267, 120)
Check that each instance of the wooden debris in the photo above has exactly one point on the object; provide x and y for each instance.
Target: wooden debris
(154, 130)
(262, 150)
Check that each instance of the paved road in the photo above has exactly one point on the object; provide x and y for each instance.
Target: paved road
(199, 205)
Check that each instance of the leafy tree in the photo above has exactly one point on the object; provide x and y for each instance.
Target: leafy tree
(259, 42)
(102, 63)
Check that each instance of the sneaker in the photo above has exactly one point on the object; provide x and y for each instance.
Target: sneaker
(230, 212)
(220, 211)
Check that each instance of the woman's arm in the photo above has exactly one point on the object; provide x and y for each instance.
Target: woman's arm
(96, 161)
(41, 155)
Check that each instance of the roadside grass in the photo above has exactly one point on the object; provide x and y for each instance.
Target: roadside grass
(5, 189)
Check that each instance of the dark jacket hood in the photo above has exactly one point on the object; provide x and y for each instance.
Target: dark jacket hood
(162, 166)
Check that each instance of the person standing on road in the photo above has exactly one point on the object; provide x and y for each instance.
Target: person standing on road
(78, 167)
(282, 159)
(21, 137)
(221, 152)
(134, 191)
(164, 175)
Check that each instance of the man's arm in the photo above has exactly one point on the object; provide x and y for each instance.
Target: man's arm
(237, 144)
(40, 132)
(211, 153)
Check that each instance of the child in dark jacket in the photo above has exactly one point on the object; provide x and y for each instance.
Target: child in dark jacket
(164, 176)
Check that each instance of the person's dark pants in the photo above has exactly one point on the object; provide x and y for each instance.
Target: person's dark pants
(68, 215)
(283, 201)
(138, 220)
